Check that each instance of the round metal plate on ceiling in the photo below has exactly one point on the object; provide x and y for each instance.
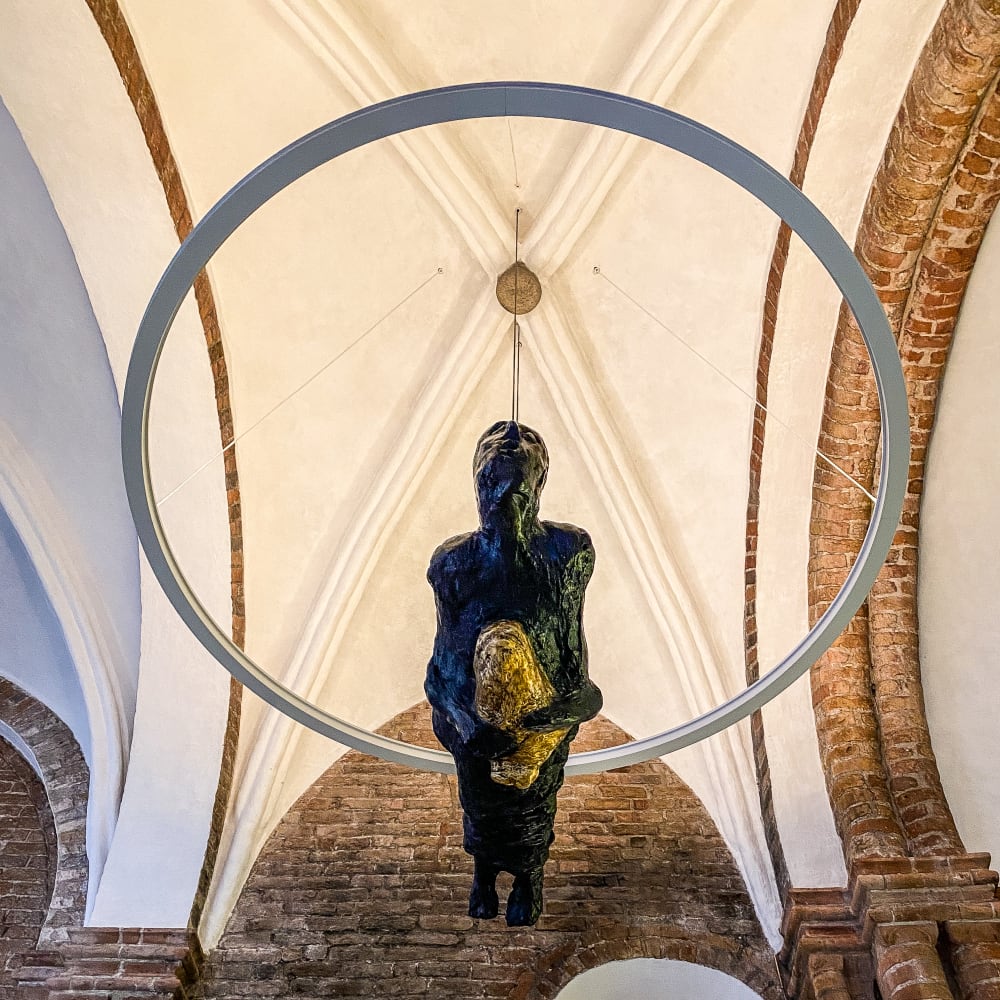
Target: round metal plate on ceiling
(518, 289)
(530, 100)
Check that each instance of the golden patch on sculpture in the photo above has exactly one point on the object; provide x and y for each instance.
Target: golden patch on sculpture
(510, 683)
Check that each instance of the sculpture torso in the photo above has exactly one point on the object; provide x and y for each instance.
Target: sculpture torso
(480, 578)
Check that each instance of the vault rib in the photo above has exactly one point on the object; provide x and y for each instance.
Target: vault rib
(91, 635)
(438, 164)
(440, 167)
(673, 43)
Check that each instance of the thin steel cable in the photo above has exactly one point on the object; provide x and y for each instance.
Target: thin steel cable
(312, 378)
(517, 333)
(515, 387)
(513, 155)
(734, 383)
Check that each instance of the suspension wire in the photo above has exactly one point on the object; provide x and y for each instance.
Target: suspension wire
(513, 155)
(312, 378)
(515, 388)
(829, 461)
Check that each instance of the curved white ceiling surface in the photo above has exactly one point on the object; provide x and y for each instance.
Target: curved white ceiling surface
(865, 93)
(366, 353)
(116, 235)
(62, 492)
(33, 651)
(637, 375)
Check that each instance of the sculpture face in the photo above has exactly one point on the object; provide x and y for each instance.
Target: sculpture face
(510, 466)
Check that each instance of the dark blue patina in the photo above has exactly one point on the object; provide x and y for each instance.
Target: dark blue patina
(513, 568)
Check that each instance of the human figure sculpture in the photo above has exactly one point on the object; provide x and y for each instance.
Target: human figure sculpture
(507, 680)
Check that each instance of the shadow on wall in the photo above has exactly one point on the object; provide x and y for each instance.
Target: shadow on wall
(33, 651)
(59, 409)
(364, 882)
(77, 558)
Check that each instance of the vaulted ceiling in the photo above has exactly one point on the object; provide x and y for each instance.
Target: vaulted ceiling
(364, 352)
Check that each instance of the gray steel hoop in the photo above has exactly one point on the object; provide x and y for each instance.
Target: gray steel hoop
(532, 100)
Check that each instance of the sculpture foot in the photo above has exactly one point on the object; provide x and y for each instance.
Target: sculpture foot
(524, 905)
(484, 904)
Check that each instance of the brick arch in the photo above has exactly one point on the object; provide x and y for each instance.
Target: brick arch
(364, 884)
(27, 861)
(66, 779)
(712, 951)
(921, 229)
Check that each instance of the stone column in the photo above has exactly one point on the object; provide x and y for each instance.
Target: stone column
(907, 965)
(975, 955)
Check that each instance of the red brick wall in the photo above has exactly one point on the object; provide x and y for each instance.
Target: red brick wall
(363, 888)
(920, 232)
(114, 963)
(27, 862)
(924, 220)
(975, 958)
(908, 964)
(66, 781)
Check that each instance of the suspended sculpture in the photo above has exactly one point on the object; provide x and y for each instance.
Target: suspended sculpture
(507, 680)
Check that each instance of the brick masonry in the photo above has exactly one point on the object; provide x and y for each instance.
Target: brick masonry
(975, 958)
(948, 256)
(362, 890)
(932, 196)
(929, 205)
(27, 862)
(908, 964)
(849, 930)
(66, 780)
(924, 220)
(113, 963)
(829, 977)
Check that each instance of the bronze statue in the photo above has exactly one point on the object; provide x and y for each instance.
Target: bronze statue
(508, 677)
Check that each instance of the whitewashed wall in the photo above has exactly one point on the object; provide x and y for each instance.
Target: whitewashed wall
(958, 587)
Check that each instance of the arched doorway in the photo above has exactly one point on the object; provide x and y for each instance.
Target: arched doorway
(659, 978)
(27, 861)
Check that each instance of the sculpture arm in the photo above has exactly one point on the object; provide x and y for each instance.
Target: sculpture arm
(475, 735)
(443, 684)
(442, 697)
(450, 688)
(583, 700)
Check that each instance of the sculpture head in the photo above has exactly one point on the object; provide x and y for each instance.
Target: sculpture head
(510, 467)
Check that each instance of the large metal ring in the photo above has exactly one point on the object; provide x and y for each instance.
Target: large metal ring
(527, 100)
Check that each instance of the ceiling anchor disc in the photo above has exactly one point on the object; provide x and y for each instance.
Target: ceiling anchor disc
(528, 289)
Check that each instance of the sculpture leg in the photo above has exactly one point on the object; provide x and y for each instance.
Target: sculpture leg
(524, 905)
(484, 904)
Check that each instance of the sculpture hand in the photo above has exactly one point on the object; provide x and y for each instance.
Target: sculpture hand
(562, 713)
(547, 719)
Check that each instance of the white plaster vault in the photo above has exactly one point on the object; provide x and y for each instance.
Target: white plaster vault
(349, 485)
